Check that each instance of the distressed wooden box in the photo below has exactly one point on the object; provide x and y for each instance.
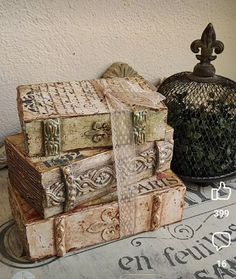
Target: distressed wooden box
(159, 202)
(61, 116)
(43, 181)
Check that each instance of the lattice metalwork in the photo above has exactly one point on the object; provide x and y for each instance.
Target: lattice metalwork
(202, 111)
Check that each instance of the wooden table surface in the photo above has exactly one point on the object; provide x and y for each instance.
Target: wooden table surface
(180, 251)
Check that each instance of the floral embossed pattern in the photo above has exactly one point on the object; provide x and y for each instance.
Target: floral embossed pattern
(145, 160)
(108, 226)
(99, 131)
(55, 194)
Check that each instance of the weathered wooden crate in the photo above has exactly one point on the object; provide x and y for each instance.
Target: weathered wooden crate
(61, 116)
(158, 202)
(43, 181)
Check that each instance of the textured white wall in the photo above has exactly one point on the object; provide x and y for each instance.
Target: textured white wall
(56, 40)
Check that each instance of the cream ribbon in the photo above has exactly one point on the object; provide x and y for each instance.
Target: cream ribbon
(124, 148)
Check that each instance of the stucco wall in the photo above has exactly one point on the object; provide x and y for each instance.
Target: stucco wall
(56, 40)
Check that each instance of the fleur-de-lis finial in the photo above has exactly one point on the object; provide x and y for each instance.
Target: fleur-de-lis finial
(207, 44)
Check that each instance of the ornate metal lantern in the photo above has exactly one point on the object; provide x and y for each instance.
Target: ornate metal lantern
(202, 110)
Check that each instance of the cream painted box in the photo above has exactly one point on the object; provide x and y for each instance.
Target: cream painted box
(44, 182)
(159, 202)
(61, 116)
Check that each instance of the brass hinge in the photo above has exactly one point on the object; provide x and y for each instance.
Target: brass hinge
(52, 137)
(139, 126)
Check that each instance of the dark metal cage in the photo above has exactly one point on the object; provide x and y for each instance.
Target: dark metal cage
(202, 110)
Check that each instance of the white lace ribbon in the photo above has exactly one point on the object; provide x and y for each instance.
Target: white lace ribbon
(124, 148)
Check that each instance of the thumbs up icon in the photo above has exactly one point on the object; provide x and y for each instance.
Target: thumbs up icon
(215, 193)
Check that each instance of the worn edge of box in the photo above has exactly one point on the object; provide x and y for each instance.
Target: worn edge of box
(40, 199)
(155, 196)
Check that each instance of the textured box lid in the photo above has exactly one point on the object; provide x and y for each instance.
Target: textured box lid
(68, 99)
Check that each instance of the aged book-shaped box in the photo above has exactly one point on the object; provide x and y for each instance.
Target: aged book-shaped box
(159, 201)
(61, 116)
(43, 181)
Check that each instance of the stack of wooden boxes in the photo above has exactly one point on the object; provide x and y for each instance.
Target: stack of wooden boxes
(61, 168)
